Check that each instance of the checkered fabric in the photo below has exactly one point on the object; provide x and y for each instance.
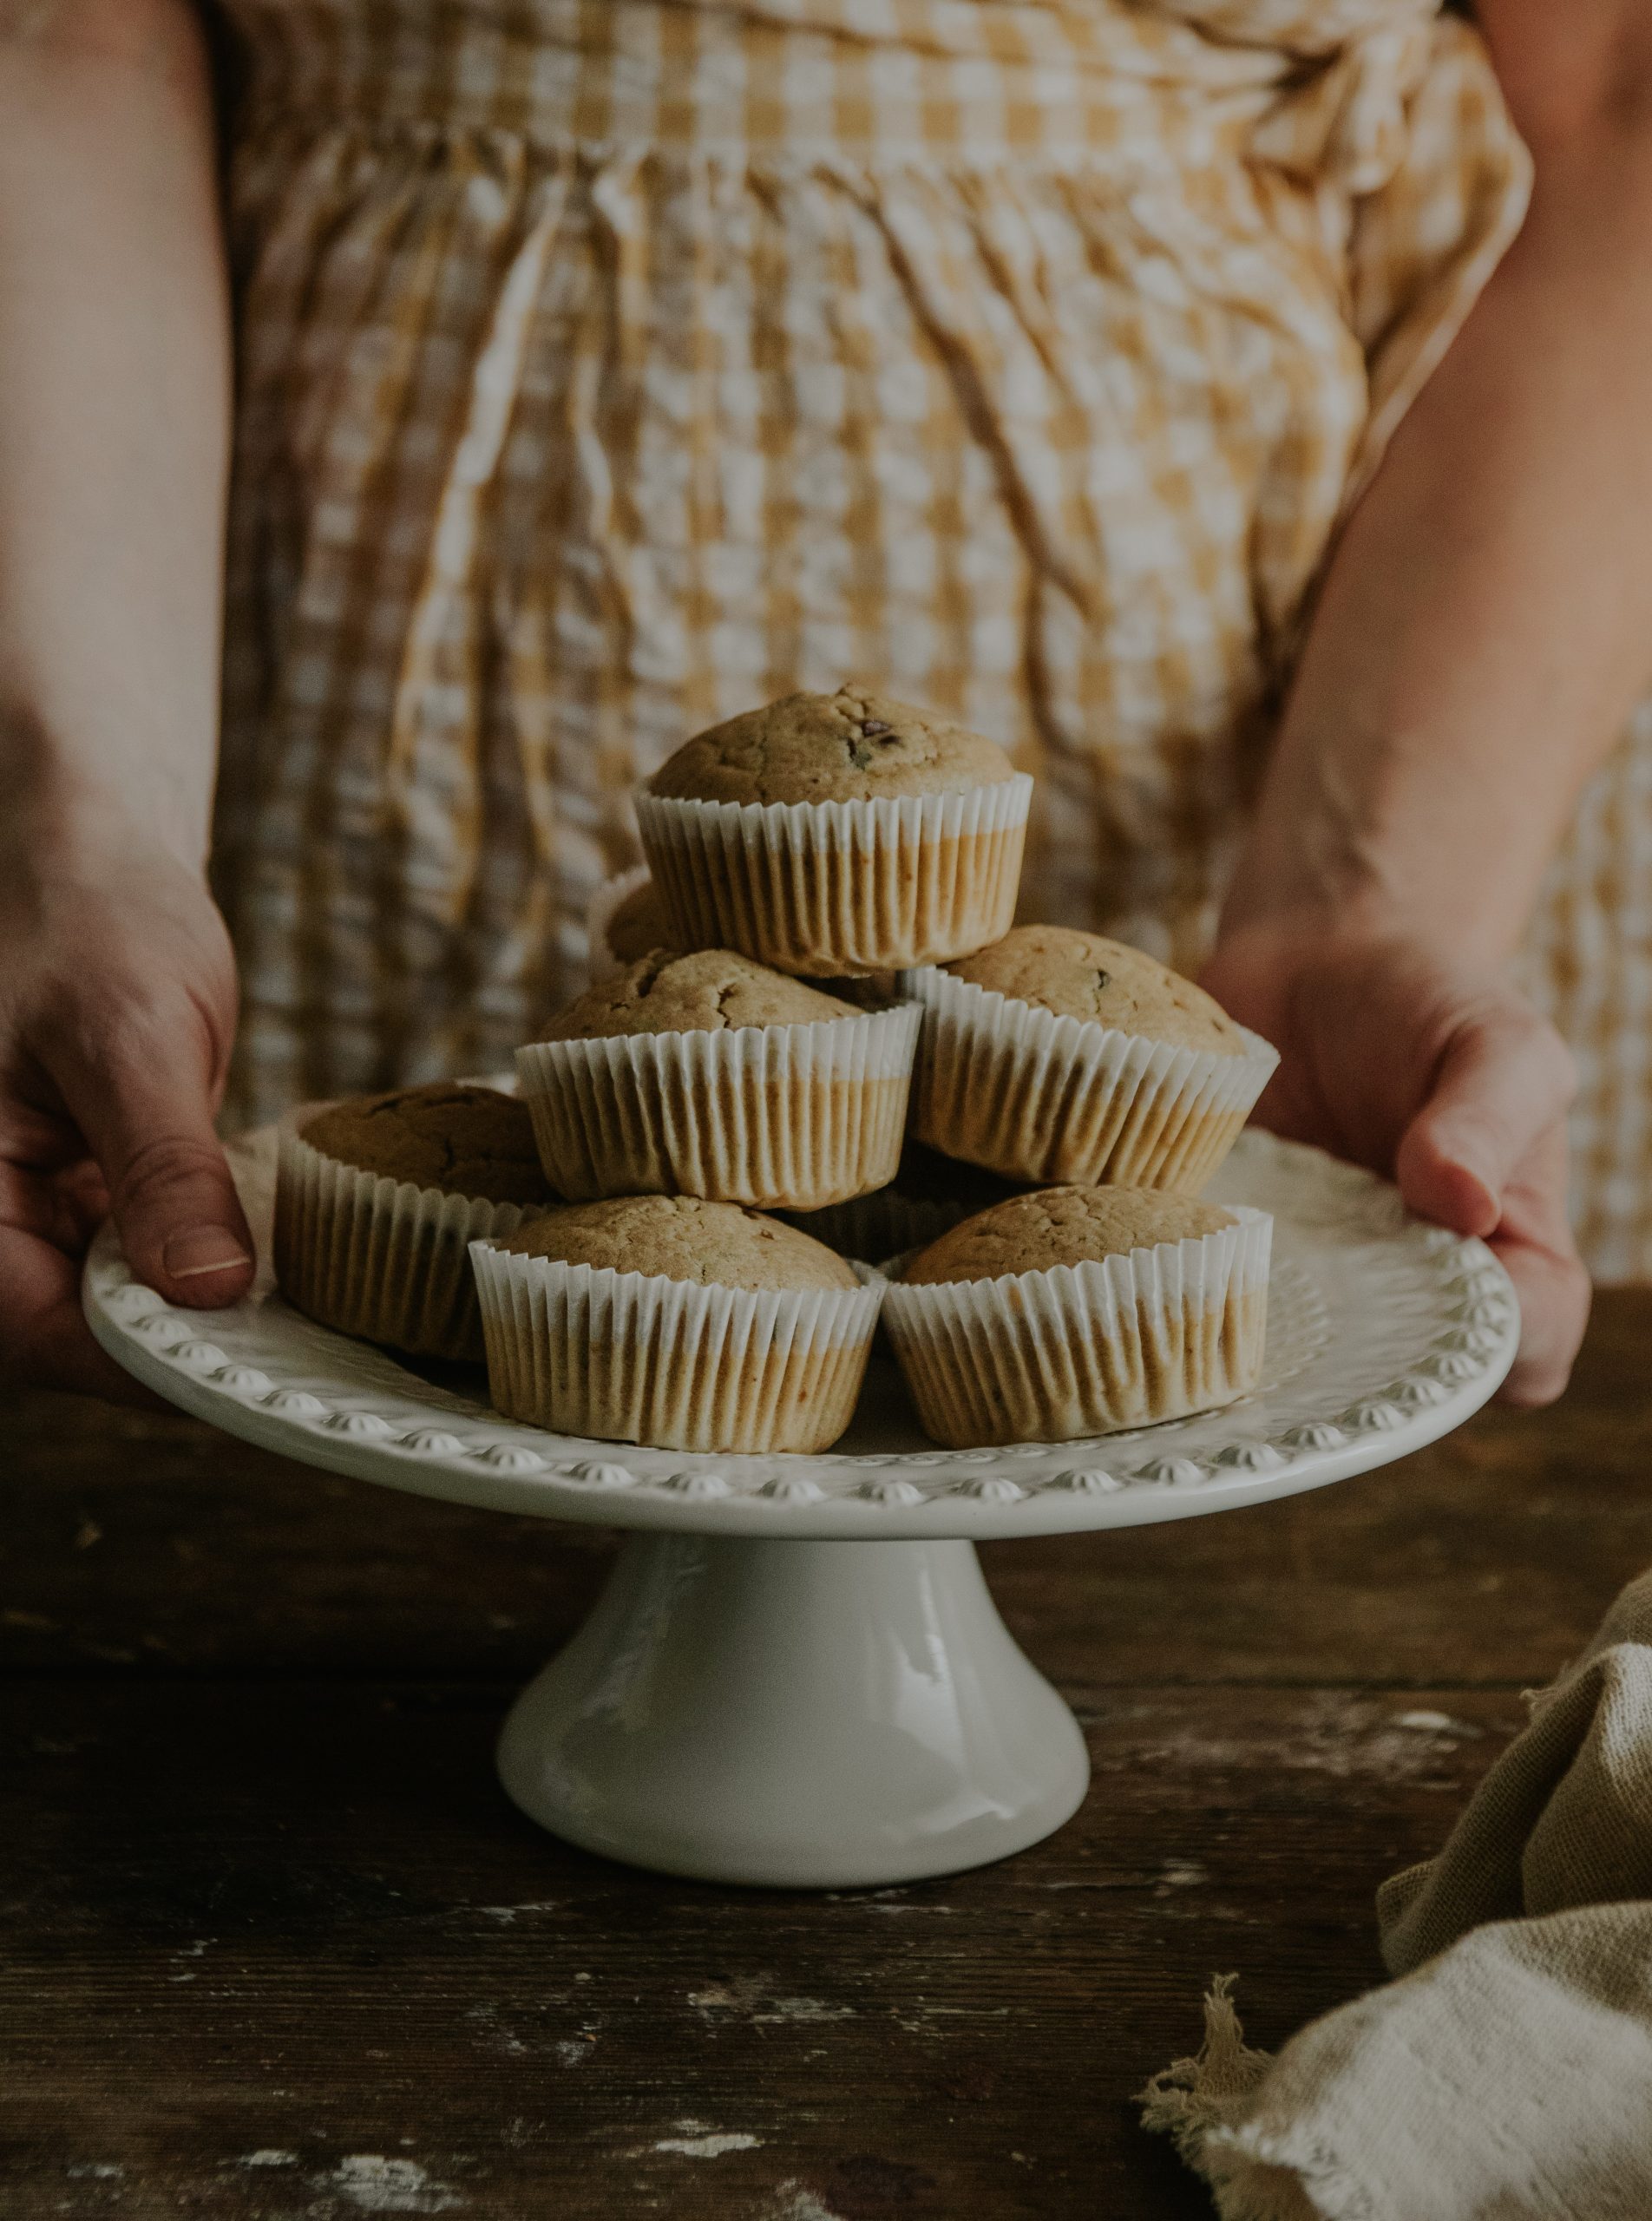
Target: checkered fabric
(609, 366)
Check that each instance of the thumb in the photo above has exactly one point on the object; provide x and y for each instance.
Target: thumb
(1502, 1080)
(150, 1126)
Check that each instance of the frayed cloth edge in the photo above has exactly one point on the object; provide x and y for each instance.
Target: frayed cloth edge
(1253, 2175)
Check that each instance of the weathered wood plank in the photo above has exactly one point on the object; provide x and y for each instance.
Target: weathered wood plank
(277, 1950)
(285, 1950)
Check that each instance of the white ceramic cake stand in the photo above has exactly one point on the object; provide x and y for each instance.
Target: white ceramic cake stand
(796, 1676)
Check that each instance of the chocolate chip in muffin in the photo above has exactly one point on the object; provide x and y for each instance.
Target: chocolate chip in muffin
(830, 748)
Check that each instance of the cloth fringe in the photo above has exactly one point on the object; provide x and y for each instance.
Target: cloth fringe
(1192, 2097)
(1253, 2176)
(1506, 2070)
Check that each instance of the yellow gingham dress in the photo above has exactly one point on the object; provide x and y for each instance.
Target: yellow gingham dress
(609, 366)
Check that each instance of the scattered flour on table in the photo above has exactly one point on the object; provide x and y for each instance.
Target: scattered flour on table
(793, 2202)
(707, 2147)
(751, 1997)
(376, 2184)
(1437, 1723)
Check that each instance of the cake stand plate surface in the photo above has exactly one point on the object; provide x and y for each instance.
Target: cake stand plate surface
(796, 1676)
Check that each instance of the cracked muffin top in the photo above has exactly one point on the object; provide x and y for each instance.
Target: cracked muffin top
(463, 1140)
(849, 746)
(1062, 1226)
(683, 1238)
(1083, 975)
(713, 991)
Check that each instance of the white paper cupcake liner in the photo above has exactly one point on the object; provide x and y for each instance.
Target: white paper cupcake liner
(599, 915)
(802, 1116)
(1081, 1349)
(379, 1258)
(819, 887)
(634, 1357)
(1063, 1100)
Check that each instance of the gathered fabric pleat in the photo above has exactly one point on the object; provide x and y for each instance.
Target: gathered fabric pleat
(607, 366)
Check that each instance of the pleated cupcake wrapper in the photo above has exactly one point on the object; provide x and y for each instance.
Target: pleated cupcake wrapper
(801, 1115)
(1054, 1100)
(599, 913)
(380, 1258)
(1081, 1349)
(842, 886)
(632, 1357)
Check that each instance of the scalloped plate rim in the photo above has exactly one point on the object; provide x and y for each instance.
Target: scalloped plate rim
(1346, 1212)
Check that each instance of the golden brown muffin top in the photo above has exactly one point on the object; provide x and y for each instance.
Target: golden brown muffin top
(722, 1245)
(463, 1140)
(639, 924)
(1077, 974)
(1062, 1226)
(841, 747)
(713, 991)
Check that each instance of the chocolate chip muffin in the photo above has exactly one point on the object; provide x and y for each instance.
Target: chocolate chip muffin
(1057, 1055)
(463, 1139)
(682, 1238)
(849, 746)
(713, 991)
(713, 1075)
(1101, 982)
(1059, 1226)
(378, 1197)
(675, 1322)
(837, 833)
(1078, 1311)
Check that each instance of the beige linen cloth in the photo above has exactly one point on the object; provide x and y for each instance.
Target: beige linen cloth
(1507, 2075)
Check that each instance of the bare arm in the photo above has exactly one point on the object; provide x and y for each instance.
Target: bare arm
(1485, 628)
(116, 990)
(1486, 624)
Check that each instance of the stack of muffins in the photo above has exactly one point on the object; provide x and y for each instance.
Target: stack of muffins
(815, 1046)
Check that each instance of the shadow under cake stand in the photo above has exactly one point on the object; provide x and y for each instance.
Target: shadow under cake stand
(796, 1676)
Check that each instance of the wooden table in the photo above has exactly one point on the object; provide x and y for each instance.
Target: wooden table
(276, 1946)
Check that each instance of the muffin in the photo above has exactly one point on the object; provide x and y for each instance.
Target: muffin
(626, 921)
(677, 1322)
(378, 1197)
(1073, 1312)
(711, 1075)
(1057, 1055)
(929, 1193)
(837, 833)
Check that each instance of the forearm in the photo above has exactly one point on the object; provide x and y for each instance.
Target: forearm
(1485, 624)
(113, 423)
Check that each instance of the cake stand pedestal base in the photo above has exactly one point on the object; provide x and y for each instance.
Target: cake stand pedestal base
(795, 1714)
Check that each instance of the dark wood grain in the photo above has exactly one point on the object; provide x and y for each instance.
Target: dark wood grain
(282, 1916)
(276, 1946)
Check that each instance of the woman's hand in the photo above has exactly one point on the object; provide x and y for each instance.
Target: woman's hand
(117, 1010)
(116, 990)
(1441, 1079)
